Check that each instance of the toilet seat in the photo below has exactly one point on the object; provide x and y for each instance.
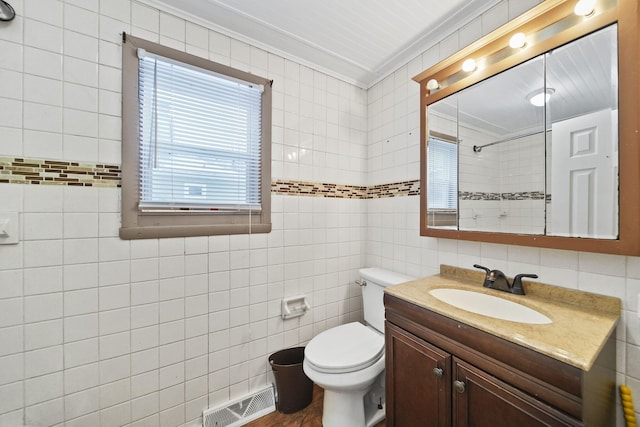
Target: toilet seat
(345, 348)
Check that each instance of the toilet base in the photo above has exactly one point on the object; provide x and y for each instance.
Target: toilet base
(374, 403)
(378, 416)
(355, 408)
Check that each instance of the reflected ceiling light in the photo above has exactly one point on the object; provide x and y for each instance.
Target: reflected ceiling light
(584, 7)
(433, 84)
(469, 65)
(540, 97)
(6, 11)
(517, 41)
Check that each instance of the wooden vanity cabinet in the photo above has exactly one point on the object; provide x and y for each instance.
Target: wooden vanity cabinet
(440, 372)
(482, 400)
(415, 389)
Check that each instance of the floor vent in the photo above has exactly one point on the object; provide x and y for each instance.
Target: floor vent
(242, 410)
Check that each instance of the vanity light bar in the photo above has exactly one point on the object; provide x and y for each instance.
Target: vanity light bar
(452, 74)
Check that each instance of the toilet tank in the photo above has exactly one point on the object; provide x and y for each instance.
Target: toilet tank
(372, 294)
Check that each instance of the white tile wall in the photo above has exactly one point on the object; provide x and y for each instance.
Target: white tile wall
(392, 224)
(99, 331)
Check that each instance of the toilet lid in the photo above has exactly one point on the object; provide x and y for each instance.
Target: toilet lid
(345, 348)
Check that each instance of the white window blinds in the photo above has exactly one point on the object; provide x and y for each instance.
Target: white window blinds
(442, 180)
(200, 138)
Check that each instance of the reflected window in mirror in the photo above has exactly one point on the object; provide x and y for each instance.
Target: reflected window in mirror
(442, 180)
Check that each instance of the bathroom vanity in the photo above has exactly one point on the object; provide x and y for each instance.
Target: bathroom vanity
(447, 366)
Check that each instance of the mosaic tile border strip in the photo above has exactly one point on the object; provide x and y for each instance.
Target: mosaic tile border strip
(524, 195)
(303, 188)
(405, 188)
(18, 170)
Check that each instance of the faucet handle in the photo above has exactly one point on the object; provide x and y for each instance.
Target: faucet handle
(487, 281)
(517, 288)
(482, 268)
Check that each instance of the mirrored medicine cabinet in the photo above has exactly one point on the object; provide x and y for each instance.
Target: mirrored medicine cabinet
(529, 136)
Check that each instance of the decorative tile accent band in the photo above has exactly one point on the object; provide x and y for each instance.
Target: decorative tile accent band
(524, 195)
(301, 188)
(53, 172)
(405, 188)
(478, 195)
(17, 170)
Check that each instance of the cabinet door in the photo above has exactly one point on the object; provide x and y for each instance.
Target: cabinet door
(482, 400)
(418, 381)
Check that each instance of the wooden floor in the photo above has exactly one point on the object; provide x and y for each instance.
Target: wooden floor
(311, 416)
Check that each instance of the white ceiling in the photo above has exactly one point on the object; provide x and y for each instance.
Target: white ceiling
(359, 41)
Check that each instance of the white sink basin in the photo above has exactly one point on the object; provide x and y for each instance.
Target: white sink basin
(489, 305)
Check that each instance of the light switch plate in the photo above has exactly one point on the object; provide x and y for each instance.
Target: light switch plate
(9, 228)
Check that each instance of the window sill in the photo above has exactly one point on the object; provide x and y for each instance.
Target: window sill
(150, 232)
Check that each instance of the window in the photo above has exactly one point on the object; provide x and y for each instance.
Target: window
(196, 145)
(442, 182)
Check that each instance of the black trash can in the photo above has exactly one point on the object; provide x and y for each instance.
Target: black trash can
(295, 389)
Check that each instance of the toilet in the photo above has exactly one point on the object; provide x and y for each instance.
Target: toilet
(347, 361)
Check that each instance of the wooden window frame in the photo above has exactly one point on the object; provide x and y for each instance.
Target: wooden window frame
(145, 225)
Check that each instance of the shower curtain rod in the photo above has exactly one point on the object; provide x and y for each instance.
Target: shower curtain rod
(478, 148)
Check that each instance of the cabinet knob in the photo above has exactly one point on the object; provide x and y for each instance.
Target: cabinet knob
(438, 372)
(459, 386)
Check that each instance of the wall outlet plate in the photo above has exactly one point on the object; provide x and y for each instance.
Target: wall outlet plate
(9, 228)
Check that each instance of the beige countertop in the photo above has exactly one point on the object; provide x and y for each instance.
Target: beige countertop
(581, 321)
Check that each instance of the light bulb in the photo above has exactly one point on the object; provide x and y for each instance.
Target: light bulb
(517, 41)
(469, 65)
(433, 84)
(584, 7)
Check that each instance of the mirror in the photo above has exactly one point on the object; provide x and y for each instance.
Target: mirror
(527, 151)
(512, 175)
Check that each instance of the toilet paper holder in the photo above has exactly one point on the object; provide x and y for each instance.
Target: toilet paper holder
(294, 306)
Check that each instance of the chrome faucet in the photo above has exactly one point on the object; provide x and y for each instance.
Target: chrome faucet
(496, 279)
